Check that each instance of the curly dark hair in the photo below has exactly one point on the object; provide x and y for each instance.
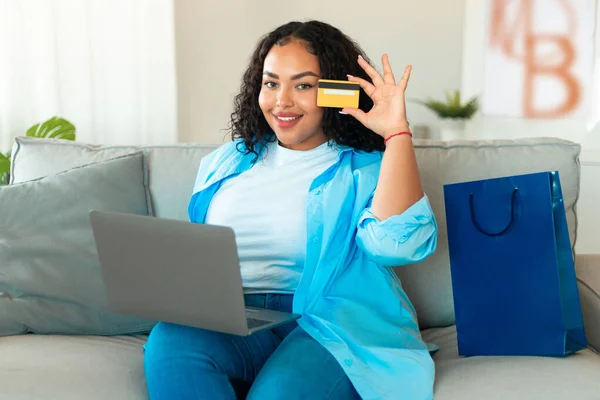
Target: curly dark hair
(337, 55)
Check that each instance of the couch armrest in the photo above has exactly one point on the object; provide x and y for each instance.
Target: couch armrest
(587, 267)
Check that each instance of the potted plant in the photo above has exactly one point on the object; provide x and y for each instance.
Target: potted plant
(55, 128)
(453, 113)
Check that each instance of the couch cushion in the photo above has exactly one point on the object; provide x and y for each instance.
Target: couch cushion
(500, 378)
(428, 283)
(50, 280)
(172, 169)
(42, 367)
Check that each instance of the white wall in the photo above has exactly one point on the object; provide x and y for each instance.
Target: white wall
(214, 43)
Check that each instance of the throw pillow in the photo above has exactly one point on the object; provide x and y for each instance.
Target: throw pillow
(50, 279)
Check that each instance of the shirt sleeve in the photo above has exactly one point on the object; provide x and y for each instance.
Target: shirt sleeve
(401, 239)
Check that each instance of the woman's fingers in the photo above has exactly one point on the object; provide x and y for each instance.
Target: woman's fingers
(372, 72)
(388, 75)
(357, 113)
(364, 84)
(405, 77)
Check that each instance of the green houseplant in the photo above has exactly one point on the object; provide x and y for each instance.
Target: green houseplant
(453, 112)
(53, 128)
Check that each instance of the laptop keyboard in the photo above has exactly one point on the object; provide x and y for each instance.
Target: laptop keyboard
(256, 323)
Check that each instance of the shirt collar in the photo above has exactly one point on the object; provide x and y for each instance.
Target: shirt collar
(240, 160)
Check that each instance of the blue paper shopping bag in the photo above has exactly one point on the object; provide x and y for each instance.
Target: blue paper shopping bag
(513, 276)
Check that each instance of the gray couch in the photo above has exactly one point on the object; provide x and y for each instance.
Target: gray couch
(74, 366)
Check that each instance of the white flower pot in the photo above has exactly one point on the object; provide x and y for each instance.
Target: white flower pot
(452, 129)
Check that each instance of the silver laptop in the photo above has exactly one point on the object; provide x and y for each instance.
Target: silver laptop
(176, 271)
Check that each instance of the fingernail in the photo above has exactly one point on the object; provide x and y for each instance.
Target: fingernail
(343, 113)
(349, 76)
(359, 56)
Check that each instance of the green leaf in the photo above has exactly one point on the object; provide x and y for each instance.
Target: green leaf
(56, 128)
(449, 98)
(456, 102)
(4, 169)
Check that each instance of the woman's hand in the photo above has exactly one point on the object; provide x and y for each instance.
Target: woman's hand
(388, 115)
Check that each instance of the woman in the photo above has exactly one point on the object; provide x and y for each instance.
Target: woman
(323, 203)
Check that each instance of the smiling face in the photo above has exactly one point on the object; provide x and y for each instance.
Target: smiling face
(288, 96)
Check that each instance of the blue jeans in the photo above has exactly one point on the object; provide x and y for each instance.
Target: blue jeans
(284, 363)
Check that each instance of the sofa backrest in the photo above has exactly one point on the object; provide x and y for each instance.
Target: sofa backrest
(171, 169)
(172, 172)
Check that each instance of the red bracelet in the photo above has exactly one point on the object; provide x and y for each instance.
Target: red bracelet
(396, 134)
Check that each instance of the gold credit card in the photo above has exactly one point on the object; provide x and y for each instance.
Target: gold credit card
(338, 94)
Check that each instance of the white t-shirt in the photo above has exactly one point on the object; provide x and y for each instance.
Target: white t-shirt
(266, 207)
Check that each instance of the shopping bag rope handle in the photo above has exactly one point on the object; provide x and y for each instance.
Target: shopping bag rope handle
(512, 215)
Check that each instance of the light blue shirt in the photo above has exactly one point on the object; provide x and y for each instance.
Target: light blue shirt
(349, 298)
